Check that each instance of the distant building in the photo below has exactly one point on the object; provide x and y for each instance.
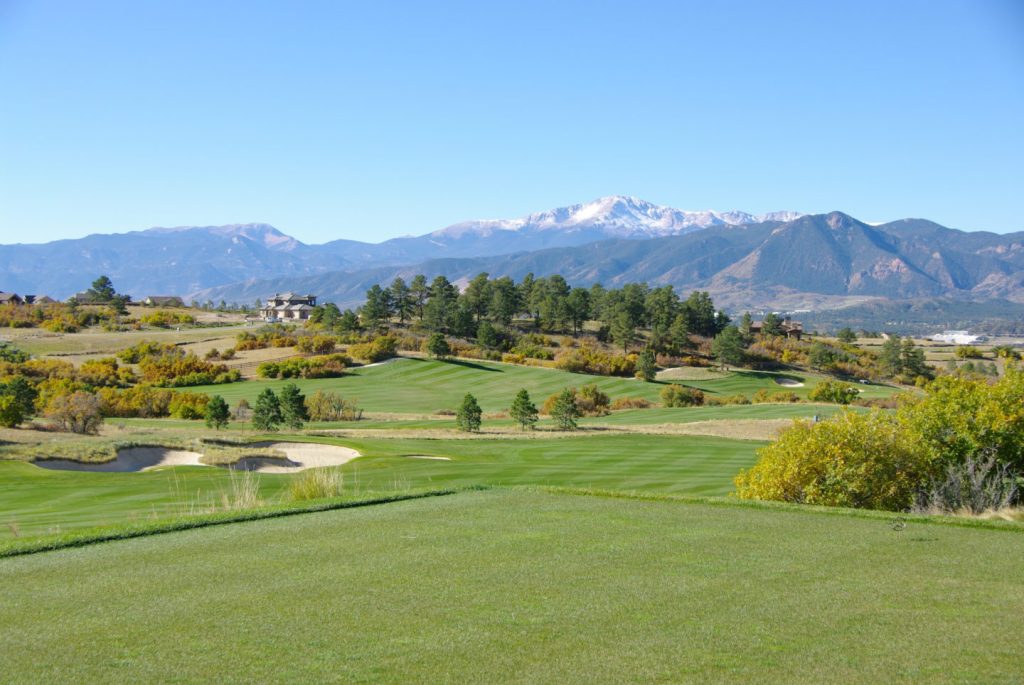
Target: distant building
(39, 299)
(10, 298)
(163, 301)
(288, 307)
(789, 328)
(958, 338)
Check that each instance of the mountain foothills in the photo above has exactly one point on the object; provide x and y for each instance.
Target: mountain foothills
(780, 259)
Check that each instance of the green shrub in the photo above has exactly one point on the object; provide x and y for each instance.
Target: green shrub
(681, 396)
(833, 391)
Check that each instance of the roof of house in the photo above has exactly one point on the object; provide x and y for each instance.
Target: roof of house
(9, 297)
(163, 299)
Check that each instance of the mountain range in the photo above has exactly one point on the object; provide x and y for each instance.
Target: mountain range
(780, 259)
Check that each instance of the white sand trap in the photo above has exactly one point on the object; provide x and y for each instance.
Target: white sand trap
(300, 456)
(788, 382)
(128, 460)
(380, 363)
(423, 456)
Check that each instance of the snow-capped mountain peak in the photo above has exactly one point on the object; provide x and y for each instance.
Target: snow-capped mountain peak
(614, 216)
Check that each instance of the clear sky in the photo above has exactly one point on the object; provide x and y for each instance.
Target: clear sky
(374, 119)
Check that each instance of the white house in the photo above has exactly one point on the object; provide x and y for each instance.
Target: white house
(288, 307)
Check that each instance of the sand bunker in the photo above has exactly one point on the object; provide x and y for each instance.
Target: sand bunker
(788, 382)
(132, 459)
(301, 456)
(298, 457)
(423, 456)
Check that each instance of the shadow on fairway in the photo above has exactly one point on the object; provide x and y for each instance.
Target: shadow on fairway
(472, 365)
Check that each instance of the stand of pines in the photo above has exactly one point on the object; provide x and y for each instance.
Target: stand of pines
(468, 417)
(523, 411)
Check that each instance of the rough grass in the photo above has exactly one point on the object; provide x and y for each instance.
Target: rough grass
(526, 586)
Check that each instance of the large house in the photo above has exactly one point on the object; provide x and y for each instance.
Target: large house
(288, 307)
(789, 328)
(10, 298)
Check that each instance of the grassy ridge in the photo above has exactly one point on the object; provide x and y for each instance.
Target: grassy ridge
(525, 585)
(423, 386)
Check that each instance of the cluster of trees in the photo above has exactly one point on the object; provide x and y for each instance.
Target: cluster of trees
(550, 303)
(960, 445)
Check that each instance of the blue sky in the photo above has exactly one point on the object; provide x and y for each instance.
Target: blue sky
(371, 120)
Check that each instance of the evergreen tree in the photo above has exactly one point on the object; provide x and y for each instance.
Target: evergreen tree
(477, 296)
(565, 412)
(401, 299)
(577, 308)
(487, 336)
(523, 411)
(646, 366)
(375, 311)
(746, 321)
(266, 415)
(440, 308)
(912, 360)
(622, 330)
(700, 313)
(504, 301)
(293, 407)
(678, 334)
(419, 292)
(102, 289)
(438, 346)
(217, 413)
(727, 347)
(890, 358)
(468, 416)
(846, 335)
(771, 324)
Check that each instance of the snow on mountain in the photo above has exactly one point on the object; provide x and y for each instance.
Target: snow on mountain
(616, 216)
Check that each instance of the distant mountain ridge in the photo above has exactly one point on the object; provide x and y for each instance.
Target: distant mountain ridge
(183, 260)
(814, 261)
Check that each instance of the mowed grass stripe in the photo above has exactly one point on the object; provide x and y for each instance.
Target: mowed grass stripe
(526, 586)
(423, 386)
(38, 501)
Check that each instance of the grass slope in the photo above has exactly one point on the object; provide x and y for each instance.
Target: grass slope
(39, 501)
(423, 386)
(524, 586)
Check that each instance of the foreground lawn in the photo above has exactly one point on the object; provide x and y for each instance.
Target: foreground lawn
(38, 501)
(424, 386)
(525, 586)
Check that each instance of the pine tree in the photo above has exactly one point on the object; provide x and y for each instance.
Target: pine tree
(468, 416)
(846, 335)
(646, 365)
(438, 346)
(890, 358)
(523, 411)
(565, 412)
(728, 346)
(293, 407)
(217, 413)
(266, 415)
(623, 331)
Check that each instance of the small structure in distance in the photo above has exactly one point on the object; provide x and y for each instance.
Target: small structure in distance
(958, 338)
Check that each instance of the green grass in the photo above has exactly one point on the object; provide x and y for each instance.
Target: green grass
(524, 586)
(39, 501)
(421, 386)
